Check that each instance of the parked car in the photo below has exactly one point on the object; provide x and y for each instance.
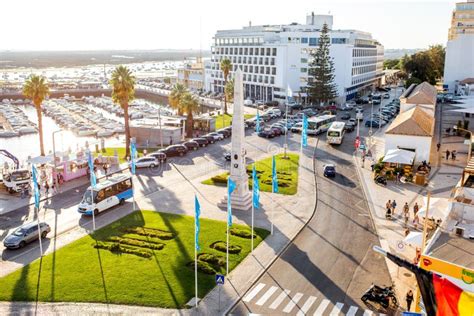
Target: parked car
(266, 133)
(277, 130)
(386, 96)
(25, 234)
(146, 162)
(191, 145)
(349, 128)
(209, 138)
(280, 126)
(224, 132)
(372, 123)
(248, 102)
(345, 116)
(216, 135)
(297, 128)
(352, 121)
(175, 150)
(265, 117)
(160, 156)
(201, 141)
(329, 170)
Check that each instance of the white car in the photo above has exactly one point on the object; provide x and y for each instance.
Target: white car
(248, 102)
(216, 136)
(146, 162)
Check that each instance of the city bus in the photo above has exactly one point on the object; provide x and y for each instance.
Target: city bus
(113, 191)
(335, 133)
(320, 124)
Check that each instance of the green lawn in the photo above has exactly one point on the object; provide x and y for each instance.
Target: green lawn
(227, 120)
(79, 272)
(110, 151)
(287, 172)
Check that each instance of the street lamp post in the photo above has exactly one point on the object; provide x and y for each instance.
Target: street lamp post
(455, 127)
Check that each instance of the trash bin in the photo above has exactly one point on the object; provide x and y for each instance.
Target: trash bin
(420, 178)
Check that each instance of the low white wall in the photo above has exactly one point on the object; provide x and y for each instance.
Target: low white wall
(422, 145)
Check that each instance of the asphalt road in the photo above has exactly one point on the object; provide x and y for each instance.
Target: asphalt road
(330, 264)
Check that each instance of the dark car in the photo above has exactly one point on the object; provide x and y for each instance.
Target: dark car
(209, 138)
(345, 116)
(266, 133)
(191, 145)
(224, 132)
(175, 150)
(373, 123)
(265, 117)
(329, 171)
(201, 141)
(26, 234)
(160, 156)
(349, 128)
(227, 156)
(277, 131)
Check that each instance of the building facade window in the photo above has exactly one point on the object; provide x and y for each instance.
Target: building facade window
(313, 41)
(304, 40)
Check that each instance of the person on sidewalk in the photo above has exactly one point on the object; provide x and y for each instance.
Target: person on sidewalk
(406, 210)
(409, 299)
(416, 208)
(447, 154)
(394, 205)
(416, 221)
(453, 155)
(46, 188)
(438, 146)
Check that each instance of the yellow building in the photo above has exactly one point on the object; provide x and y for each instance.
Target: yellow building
(192, 75)
(462, 20)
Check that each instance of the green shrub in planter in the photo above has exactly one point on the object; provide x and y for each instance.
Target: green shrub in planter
(136, 243)
(203, 267)
(244, 233)
(211, 259)
(221, 179)
(221, 246)
(151, 232)
(117, 248)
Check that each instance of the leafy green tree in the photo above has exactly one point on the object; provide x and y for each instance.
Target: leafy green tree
(175, 97)
(36, 89)
(321, 86)
(123, 92)
(391, 63)
(229, 90)
(189, 104)
(438, 54)
(226, 67)
(427, 65)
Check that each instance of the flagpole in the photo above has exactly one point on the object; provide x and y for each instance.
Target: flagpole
(253, 208)
(195, 261)
(39, 230)
(273, 209)
(92, 203)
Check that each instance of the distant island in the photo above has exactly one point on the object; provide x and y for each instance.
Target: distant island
(42, 59)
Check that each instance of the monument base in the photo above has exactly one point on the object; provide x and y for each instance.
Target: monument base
(243, 203)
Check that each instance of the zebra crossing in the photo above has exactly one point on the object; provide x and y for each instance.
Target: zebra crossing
(289, 302)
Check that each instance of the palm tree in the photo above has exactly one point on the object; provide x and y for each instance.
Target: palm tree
(175, 97)
(226, 67)
(229, 90)
(189, 104)
(123, 92)
(36, 88)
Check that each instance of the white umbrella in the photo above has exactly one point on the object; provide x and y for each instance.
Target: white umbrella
(399, 156)
(437, 213)
(414, 238)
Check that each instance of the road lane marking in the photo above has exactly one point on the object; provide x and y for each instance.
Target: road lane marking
(337, 309)
(254, 292)
(307, 305)
(267, 295)
(352, 311)
(280, 299)
(293, 302)
(322, 307)
(368, 313)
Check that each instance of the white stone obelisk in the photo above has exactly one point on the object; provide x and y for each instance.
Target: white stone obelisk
(241, 198)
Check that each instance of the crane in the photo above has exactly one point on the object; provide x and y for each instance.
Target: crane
(9, 155)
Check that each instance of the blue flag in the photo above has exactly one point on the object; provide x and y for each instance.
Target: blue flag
(230, 188)
(197, 210)
(274, 176)
(258, 123)
(35, 186)
(304, 133)
(133, 153)
(91, 169)
(255, 189)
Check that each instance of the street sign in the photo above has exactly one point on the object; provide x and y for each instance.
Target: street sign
(220, 279)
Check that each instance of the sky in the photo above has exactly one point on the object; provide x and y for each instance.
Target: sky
(178, 24)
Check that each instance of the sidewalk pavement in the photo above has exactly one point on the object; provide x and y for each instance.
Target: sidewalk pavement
(392, 232)
(288, 213)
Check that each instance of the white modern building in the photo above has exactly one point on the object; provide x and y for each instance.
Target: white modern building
(275, 59)
(459, 60)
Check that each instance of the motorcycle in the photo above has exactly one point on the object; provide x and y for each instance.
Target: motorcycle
(380, 180)
(385, 296)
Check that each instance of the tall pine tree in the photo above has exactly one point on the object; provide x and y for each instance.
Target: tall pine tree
(321, 86)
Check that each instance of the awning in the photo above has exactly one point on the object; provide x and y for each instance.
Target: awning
(40, 160)
(401, 156)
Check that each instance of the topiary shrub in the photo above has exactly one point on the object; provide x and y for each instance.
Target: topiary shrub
(203, 267)
(244, 233)
(151, 232)
(220, 179)
(136, 243)
(221, 246)
(118, 248)
(211, 259)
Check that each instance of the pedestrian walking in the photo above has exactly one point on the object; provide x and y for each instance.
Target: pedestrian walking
(447, 154)
(409, 299)
(453, 155)
(46, 188)
(438, 146)
(416, 208)
(171, 140)
(394, 205)
(416, 221)
(388, 205)
(406, 210)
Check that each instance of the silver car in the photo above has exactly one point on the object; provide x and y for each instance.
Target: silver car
(26, 234)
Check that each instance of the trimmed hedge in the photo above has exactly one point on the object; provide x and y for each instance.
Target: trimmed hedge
(115, 247)
(211, 259)
(243, 233)
(151, 232)
(203, 267)
(136, 243)
(221, 179)
(221, 246)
